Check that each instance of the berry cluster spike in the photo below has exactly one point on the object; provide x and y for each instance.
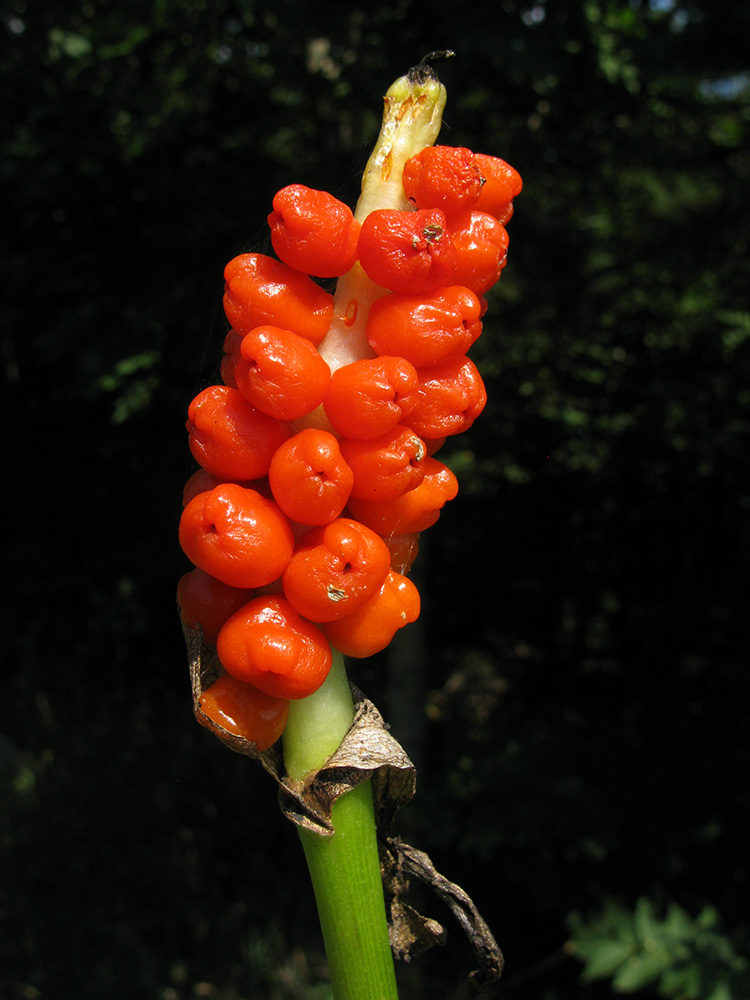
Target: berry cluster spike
(316, 454)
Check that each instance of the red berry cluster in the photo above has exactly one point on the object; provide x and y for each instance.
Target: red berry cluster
(317, 476)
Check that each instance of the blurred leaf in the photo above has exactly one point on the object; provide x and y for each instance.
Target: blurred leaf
(640, 970)
(133, 38)
(67, 43)
(687, 957)
(644, 924)
(605, 959)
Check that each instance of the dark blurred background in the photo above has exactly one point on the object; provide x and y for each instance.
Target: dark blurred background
(576, 692)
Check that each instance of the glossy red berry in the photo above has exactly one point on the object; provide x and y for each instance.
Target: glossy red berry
(259, 290)
(229, 437)
(426, 330)
(237, 536)
(267, 644)
(313, 232)
(244, 710)
(369, 397)
(413, 511)
(334, 569)
(409, 253)
(309, 478)
(444, 177)
(386, 466)
(482, 246)
(280, 373)
(372, 627)
(452, 396)
(501, 185)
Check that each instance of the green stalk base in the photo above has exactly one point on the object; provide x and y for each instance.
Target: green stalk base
(344, 868)
(345, 874)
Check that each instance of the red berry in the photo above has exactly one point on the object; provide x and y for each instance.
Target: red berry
(267, 644)
(230, 438)
(501, 185)
(309, 478)
(426, 330)
(245, 710)
(452, 396)
(370, 629)
(237, 536)
(482, 246)
(369, 397)
(444, 177)
(207, 602)
(407, 252)
(200, 482)
(334, 569)
(260, 290)
(313, 232)
(281, 373)
(387, 466)
(414, 511)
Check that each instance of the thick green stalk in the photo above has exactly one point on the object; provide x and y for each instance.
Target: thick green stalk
(317, 724)
(345, 872)
(345, 868)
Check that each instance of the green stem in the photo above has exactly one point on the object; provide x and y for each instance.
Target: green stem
(345, 872)
(345, 868)
(317, 724)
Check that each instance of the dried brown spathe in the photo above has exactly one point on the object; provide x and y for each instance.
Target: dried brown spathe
(368, 751)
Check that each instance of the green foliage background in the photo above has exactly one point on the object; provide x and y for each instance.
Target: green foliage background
(575, 694)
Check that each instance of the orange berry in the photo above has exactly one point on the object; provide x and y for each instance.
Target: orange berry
(426, 330)
(409, 253)
(369, 397)
(309, 478)
(267, 644)
(313, 232)
(334, 569)
(414, 511)
(259, 290)
(444, 177)
(387, 466)
(230, 438)
(207, 602)
(200, 482)
(237, 536)
(245, 710)
(280, 373)
(371, 628)
(482, 246)
(452, 396)
(501, 185)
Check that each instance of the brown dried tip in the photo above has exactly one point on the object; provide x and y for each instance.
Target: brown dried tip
(411, 934)
(424, 70)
